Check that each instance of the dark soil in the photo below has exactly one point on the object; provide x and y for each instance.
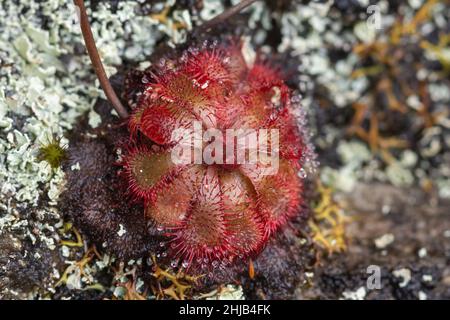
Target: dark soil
(417, 220)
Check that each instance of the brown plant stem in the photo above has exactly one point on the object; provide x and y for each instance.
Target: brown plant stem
(97, 62)
(227, 14)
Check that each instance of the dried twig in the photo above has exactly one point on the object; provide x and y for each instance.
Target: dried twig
(97, 62)
(227, 14)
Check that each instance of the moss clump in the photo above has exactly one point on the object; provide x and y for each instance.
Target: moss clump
(53, 153)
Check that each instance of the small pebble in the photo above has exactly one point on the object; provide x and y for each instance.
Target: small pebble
(405, 274)
(384, 241)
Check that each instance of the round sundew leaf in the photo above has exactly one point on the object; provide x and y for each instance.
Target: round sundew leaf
(261, 97)
(207, 67)
(194, 98)
(172, 202)
(159, 121)
(134, 122)
(264, 78)
(202, 233)
(253, 111)
(205, 222)
(206, 112)
(179, 88)
(278, 192)
(228, 110)
(180, 104)
(291, 144)
(236, 63)
(148, 169)
(243, 227)
(184, 97)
